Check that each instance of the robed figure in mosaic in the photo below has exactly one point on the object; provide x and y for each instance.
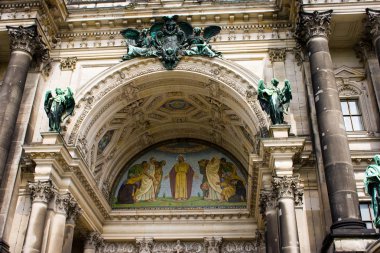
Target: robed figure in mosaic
(275, 101)
(58, 104)
(372, 187)
(181, 179)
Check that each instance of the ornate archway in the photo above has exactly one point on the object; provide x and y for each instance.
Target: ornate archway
(138, 103)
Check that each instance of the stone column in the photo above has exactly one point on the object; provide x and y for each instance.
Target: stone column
(373, 26)
(93, 242)
(284, 189)
(25, 43)
(72, 216)
(58, 223)
(268, 210)
(41, 193)
(313, 30)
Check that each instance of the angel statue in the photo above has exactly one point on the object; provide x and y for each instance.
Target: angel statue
(57, 105)
(199, 45)
(372, 187)
(275, 101)
(143, 44)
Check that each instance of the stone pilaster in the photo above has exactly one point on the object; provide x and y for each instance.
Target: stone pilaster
(41, 193)
(72, 215)
(373, 29)
(313, 31)
(213, 244)
(277, 56)
(93, 242)
(268, 209)
(58, 223)
(25, 43)
(284, 189)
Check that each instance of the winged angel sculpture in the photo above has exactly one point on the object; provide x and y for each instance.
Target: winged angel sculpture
(275, 101)
(169, 40)
(58, 104)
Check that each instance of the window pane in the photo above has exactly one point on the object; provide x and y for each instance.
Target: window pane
(354, 108)
(364, 211)
(344, 106)
(357, 123)
(347, 123)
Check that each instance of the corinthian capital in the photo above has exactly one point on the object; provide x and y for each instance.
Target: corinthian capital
(94, 240)
(267, 200)
(285, 187)
(312, 25)
(145, 245)
(213, 244)
(373, 23)
(63, 202)
(27, 39)
(41, 191)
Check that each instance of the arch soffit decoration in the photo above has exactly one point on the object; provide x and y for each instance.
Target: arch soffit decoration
(121, 88)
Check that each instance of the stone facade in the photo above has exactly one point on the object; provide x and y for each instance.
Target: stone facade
(304, 186)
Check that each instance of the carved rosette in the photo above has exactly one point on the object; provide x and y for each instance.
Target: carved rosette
(27, 39)
(285, 187)
(277, 54)
(373, 22)
(316, 24)
(94, 240)
(145, 245)
(213, 244)
(267, 200)
(41, 191)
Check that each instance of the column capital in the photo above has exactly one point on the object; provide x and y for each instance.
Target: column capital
(267, 200)
(212, 244)
(73, 211)
(94, 240)
(310, 25)
(285, 187)
(41, 191)
(373, 22)
(63, 202)
(27, 39)
(277, 54)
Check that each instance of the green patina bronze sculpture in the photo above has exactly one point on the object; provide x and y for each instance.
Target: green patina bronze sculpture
(169, 40)
(372, 187)
(58, 104)
(275, 101)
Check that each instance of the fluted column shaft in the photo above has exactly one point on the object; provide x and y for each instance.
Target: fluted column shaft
(25, 43)
(41, 192)
(284, 188)
(313, 30)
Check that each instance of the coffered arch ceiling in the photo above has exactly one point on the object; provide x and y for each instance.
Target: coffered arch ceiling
(138, 103)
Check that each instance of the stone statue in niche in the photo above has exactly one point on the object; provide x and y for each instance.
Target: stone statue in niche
(275, 101)
(372, 187)
(58, 105)
(169, 40)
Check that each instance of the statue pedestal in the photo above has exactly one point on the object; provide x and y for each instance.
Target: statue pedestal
(51, 138)
(279, 131)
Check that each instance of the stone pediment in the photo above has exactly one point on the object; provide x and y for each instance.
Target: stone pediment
(347, 72)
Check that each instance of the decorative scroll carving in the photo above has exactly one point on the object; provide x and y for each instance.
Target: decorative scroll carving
(213, 244)
(94, 240)
(267, 200)
(41, 191)
(285, 187)
(28, 40)
(313, 24)
(277, 54)
(145, 245)
(149, 245)
(69, 63)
